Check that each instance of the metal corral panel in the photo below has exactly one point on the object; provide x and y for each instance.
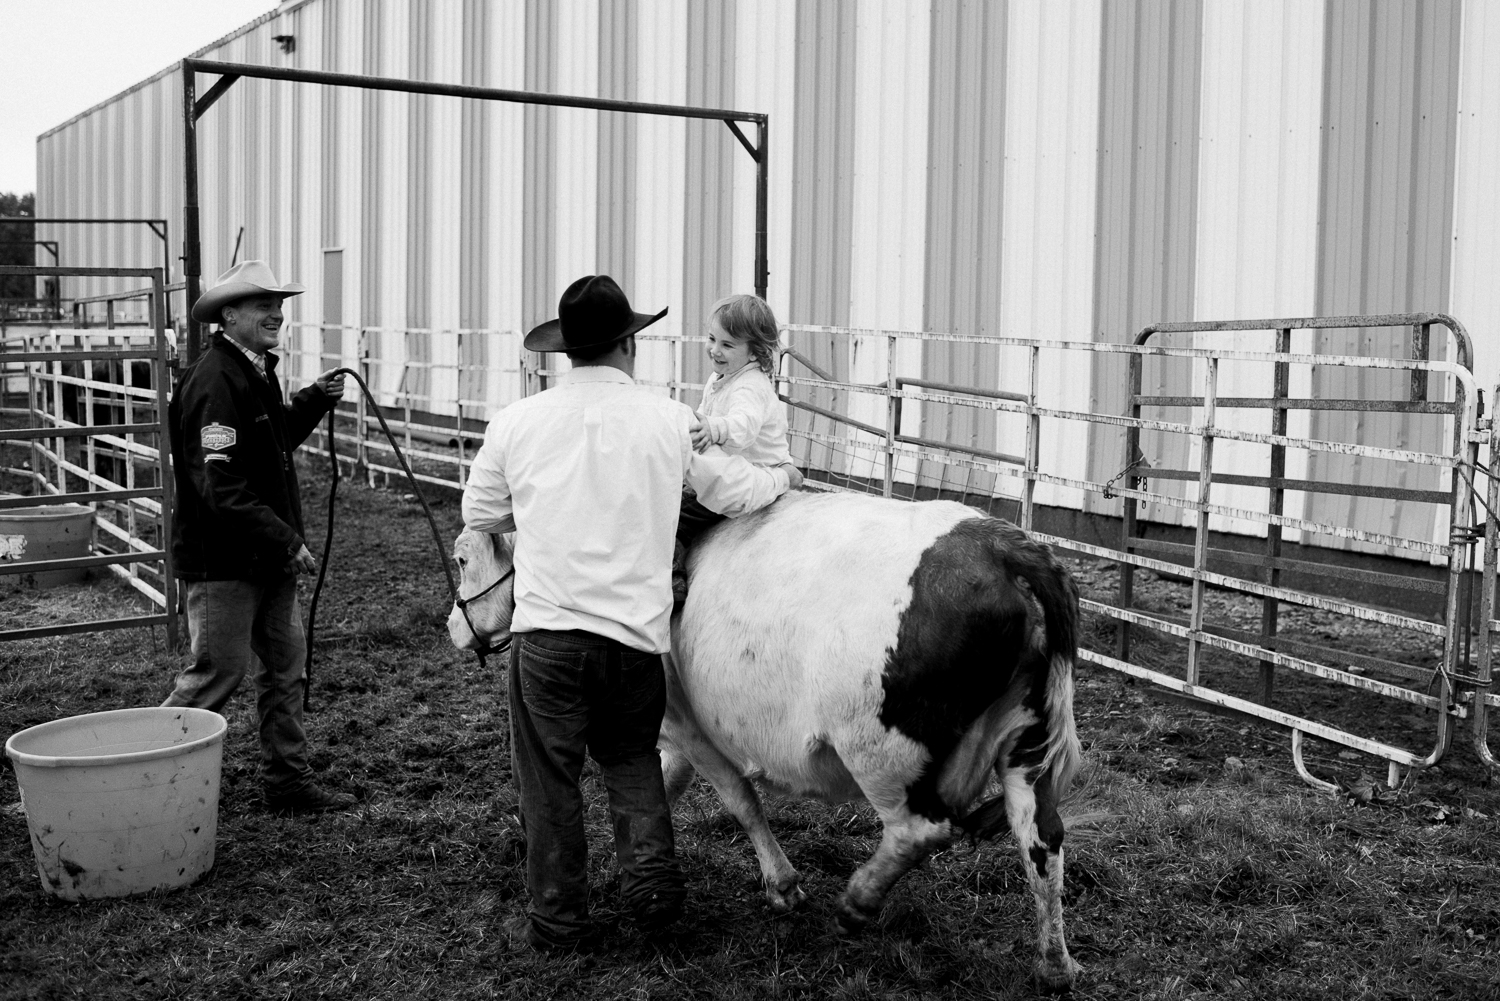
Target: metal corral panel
(1390, 98)
(1066, 170)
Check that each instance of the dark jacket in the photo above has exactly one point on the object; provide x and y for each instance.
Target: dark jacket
(238, 513)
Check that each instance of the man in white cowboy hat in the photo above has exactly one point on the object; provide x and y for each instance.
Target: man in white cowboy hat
(237, 537)
(589, 476)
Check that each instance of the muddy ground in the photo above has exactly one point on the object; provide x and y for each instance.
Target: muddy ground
(1199, 865)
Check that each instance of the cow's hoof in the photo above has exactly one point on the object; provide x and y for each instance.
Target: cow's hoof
(786, 896)
(849, 919)
(1056, 977)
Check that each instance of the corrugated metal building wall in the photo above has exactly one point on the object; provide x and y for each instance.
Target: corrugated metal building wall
(1063, 169)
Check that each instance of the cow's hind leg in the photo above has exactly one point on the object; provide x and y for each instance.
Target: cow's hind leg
(908, 838)
(740, 798)
(1032, 812)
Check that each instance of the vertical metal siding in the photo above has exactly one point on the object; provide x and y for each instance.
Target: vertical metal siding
(474, 209)
(888, 229)
(822, 165)
(708, 237)
(965, 218)
(372, 194)
(822, 198)
(577, 143)
(1257, 214)
(508, 249)
(765, 81)
(1389, 112)
(661, 169)
(445, 184)
(250, 206)
(615, 238)
(1148, 126)
(1123, 202)
(419, 153)
(395, 111)
(1047, 273)
(296, 200)
(329, 106)
(418, 347)
(1474, 295)
(330, 155)
(539, 288)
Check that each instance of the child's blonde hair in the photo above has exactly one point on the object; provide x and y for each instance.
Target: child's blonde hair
(748, 318)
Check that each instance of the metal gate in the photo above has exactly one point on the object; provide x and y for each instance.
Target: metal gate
(1435, 689)
(77, 458)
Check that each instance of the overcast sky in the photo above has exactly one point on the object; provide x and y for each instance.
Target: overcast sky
(62, 57)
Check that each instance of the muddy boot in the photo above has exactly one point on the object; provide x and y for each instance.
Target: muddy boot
(679, 576)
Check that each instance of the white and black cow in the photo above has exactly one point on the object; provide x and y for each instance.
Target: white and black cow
(842, 647)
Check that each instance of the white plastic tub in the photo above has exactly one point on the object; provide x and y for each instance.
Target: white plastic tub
(121, 802)
(51, 532)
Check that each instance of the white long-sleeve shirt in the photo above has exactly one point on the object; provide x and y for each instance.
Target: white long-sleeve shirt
(745, 417)
(589, 476)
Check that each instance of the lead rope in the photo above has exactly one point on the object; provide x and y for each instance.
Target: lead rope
(437, 537)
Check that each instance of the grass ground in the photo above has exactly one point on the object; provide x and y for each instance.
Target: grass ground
(1205, 869)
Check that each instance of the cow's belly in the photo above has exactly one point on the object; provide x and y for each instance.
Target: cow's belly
(790, 620)
(778, 726)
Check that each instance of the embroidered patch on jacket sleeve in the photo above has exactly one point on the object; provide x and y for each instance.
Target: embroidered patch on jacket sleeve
(217, 437)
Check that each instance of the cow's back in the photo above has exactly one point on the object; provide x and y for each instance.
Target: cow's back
(792, 614)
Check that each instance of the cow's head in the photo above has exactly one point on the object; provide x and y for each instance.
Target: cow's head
(482, 560)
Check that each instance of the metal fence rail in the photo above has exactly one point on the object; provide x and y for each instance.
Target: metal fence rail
(888, 445)
(1460, 409)
(868, 436)
(77, 457)
(439, 387)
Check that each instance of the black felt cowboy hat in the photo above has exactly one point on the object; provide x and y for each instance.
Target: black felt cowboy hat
(592, 313)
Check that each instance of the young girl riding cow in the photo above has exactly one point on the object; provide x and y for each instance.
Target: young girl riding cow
(740, 412)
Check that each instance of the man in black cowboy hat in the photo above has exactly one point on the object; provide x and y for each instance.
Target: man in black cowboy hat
(589, 476)
(237, 535)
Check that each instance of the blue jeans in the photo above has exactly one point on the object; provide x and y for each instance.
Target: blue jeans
(237, 625)
(572, 692)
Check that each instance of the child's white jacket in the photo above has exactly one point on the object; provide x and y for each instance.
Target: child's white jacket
(744, 416)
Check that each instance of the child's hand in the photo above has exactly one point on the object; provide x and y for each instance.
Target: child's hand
(701, 436)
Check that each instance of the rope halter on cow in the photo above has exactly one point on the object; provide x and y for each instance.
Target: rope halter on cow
(484, 649)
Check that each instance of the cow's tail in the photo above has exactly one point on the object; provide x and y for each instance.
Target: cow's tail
(1057, 594)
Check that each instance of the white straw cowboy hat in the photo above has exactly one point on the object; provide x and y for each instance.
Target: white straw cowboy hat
(249, 278)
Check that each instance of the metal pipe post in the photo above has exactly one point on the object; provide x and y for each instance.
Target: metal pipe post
(762, 168)
(1126, 597)
(163, 458)
(1485, 672)
(892, 415)
(192, 266)
(1276, 498)
(1033, 439)
(1205, 497)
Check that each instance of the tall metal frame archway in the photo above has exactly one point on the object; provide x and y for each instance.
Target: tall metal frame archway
(194, 107)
